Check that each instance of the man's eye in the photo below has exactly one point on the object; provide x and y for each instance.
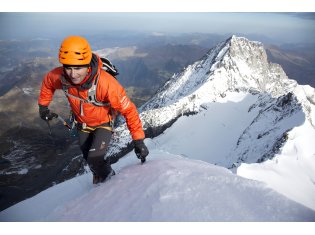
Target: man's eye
(72, 68)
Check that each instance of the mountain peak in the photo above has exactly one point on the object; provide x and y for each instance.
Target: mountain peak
(236, 64)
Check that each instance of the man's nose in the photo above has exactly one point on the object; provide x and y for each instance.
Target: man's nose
(73, 72)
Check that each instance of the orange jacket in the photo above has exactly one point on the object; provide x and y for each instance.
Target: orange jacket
(108, 90)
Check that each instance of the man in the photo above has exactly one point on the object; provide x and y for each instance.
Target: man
(82, 78)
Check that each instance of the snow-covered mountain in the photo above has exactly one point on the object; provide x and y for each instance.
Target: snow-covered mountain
(256, 112)
(232, 109)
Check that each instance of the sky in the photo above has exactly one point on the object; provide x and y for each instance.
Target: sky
(290, 21)
(280, 26)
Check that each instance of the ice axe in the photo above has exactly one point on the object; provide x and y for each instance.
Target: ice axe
(49, 128)
(61, 120)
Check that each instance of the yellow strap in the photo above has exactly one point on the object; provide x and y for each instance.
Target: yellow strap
(106, 127)
(89, 129)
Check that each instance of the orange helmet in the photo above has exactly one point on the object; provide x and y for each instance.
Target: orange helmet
(75, 50)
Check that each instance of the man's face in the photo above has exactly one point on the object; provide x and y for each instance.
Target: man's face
(76, 74)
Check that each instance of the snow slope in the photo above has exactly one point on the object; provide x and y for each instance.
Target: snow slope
(167, 187)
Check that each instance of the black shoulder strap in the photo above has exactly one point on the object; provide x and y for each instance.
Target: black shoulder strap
(109, 67)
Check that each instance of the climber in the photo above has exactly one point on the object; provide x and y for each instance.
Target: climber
(94, 96)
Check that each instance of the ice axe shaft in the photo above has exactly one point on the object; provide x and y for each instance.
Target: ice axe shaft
(61, 120)
(49, 128)
(64, 122)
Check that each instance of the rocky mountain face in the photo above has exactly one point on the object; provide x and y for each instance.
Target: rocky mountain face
(235, 65)
(298, 61)
(31, 159)
(145, 69)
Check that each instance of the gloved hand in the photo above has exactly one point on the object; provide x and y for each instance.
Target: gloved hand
(141, 150)
(45, 113)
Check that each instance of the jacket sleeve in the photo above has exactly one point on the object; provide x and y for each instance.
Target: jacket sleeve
(50, 83)
(120, 102)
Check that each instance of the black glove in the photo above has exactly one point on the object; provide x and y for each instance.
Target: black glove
(45, 113)
(141, 150)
